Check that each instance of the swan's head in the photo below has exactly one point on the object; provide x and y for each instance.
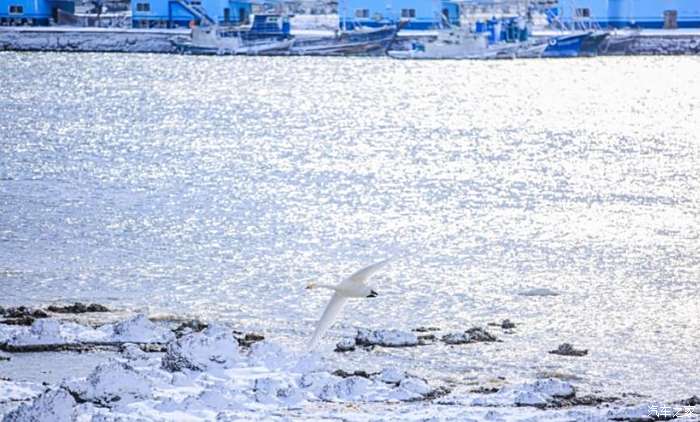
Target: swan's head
(310, 286)
(372, 293)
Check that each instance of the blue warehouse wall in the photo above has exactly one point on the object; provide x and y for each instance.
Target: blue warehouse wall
(182, 12)
(420, 14)
(38, 12)
(633, 13)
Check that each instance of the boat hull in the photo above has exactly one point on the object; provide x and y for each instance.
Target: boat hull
(585, 44)
(374, 42)
(260, 47)
(491, 52)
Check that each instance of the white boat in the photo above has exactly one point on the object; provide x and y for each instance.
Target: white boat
(463, 44)
(225, 40)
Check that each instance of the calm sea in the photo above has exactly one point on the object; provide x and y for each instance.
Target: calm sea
(218, 187)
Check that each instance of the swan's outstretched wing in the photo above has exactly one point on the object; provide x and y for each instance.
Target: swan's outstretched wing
(365, 273)
(332, 310)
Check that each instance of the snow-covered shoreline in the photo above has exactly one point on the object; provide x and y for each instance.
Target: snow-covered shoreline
(211, 372)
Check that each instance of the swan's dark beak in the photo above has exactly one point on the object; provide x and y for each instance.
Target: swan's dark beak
(372, 293)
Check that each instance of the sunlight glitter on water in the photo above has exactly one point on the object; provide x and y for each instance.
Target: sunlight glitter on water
(220, 186)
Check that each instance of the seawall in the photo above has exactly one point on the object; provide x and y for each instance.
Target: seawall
(89, 39)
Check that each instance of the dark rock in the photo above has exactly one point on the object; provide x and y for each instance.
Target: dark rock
(472, 335)
(193, 326)
(25, 320)
(247, 339)
(23, 311)
(96, 307)
(506, 324)
(17, 312)
(251, 338)
(345, 345)
(692, 401)
(32, 348)
(344, 374)
(567, 349)
(38, 313)
(425, 329)
(485, 390)
(588, 400)
(79, 347)
(77, 308)
(427, 339)
(435, 393)
(2, 310)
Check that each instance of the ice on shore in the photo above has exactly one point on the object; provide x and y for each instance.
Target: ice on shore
(200, 375)
(47, 331)
(51, 406)
(111, 383)
(138, 329)
(17, 391)
(539, 393)
(386, 338)
(214, 347)
(208, 375)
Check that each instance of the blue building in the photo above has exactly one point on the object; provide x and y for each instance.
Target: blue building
(179, 13)
(417, 14)
(632, 13)
(33, 12)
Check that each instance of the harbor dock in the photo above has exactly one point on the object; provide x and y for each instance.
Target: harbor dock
(144, 40)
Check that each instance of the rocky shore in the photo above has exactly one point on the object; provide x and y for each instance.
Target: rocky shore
(209, 371)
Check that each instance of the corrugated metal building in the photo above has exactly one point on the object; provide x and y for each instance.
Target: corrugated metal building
(417, 14)
(32, 12)
(179, 13)
(632, 13)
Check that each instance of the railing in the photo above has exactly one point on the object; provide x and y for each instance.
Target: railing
(195, 8)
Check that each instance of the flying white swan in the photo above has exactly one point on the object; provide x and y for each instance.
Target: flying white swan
(353, 286)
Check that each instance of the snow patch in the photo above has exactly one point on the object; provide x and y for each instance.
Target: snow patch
(17, 391)
(138, 329)
(391, 375)
(351, 388)
(386, 338)
(271, 390)
(50, 331)
(537, 394)
(215, 347)
(111, 383)
(51, 406)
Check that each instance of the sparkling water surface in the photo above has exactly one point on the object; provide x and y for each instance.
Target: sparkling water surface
(219, 187)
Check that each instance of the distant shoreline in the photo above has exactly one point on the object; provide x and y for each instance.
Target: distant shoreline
(136, 40)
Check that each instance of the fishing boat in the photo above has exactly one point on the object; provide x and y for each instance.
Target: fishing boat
(573, 44)
(462, 43)
(266, 35)
(358, 41)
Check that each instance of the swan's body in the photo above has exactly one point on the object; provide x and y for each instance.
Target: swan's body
(353, 286)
